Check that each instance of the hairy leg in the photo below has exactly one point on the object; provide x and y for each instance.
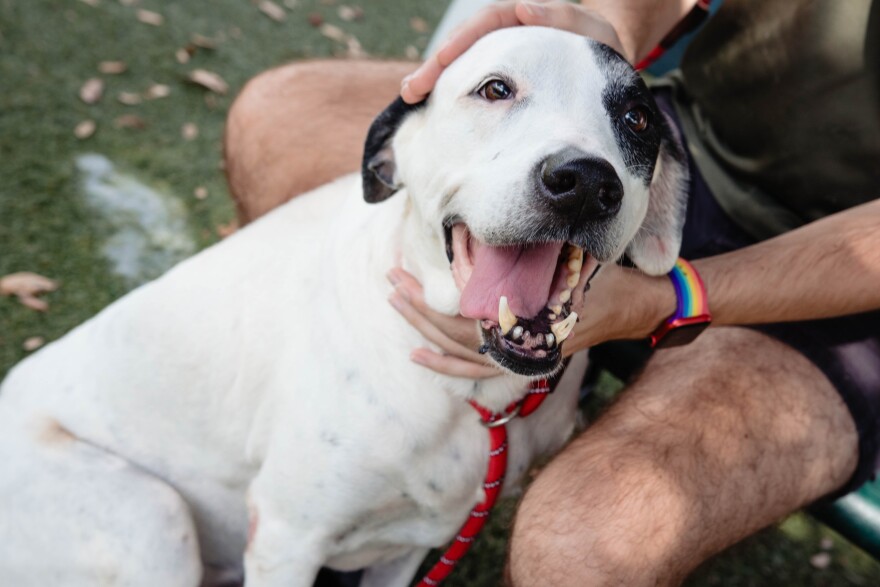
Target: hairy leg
(713, 442)
(301, 125)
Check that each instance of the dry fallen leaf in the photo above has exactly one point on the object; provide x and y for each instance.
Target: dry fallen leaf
(350, 13)
(85, 129)
(112, 67)
(189, 131)
(129, 98)
(355, 50)
(208, 79)
(182, 56)
(130, 121)
(227, 229)
(826, 544)
(820, 560)
(32, 343)
(316, 19)
(272, 10)
(92, 90)
(411, 52)
(353, 46)
(149, 17)
(203, 42)
(157, 91)
(333, 32)
(26, 286)
(201, 192)
(418, 24)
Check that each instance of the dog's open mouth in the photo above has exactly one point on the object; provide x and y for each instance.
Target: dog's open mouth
(525, 296)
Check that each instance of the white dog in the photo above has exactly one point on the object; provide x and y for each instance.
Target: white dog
(255, 408)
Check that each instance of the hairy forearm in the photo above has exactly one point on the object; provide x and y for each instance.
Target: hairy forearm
(828, 268)
(641, 24)
(825, 269)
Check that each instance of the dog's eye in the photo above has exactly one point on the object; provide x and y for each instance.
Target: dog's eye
(496, 90)
(637, 119)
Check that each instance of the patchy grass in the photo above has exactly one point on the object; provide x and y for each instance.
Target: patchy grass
(48, 49)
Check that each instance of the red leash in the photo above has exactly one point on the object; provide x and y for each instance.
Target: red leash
(496, 421)
(496, 424)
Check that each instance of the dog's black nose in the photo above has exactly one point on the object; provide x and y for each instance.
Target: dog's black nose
(579, 186)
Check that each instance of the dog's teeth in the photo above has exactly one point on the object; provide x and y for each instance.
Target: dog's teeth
(576, 253)
(564, 295)
(551, 316)
(573, 279)
(574, 265)
(506, 318)
(551, 340)
(562, 329)
(517, 332)
(557, 309)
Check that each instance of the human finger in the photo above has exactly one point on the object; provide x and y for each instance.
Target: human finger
(570, 17)
(461, 330)
(454, 366)
(430, 331)
(419, 84)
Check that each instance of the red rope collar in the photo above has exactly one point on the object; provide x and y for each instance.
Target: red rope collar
(496, 424)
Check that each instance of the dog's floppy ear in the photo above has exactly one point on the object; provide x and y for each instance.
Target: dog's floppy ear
(655, 247)
(379, 169)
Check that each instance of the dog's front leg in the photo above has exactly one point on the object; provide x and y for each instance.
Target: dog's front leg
(280, 556)
(283, 549)
(396, 573)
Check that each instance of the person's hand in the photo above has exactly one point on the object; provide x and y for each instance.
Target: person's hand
(457, 337)
(621, 304)
(557, 14)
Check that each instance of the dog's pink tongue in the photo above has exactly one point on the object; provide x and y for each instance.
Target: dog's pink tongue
(523, 274)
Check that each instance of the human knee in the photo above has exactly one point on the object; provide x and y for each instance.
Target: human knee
(286, 89)
(616, 526)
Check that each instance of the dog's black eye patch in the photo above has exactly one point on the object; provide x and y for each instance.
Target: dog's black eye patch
(632, 111)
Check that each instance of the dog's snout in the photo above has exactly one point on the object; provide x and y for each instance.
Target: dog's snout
(578, 185)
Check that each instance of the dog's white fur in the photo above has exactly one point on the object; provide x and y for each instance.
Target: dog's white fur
(268, 378)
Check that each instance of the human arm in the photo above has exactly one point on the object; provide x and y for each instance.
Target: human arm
(828, 268)
(632, 27)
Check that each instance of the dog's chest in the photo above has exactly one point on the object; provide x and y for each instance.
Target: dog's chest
(400, 475)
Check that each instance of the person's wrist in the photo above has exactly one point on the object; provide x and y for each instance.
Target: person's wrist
(622, 304)
(658, 302)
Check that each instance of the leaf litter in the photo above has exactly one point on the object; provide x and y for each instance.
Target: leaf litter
(27, 286)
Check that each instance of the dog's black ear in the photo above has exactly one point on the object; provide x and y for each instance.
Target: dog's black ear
(656, 246)
(378, 169)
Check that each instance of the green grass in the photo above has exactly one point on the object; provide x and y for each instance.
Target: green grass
(49, 48)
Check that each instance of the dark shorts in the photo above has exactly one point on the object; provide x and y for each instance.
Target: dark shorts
(847, 349)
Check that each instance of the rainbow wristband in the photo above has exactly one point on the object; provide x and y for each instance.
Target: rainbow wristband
(691, 315)
(689, 290)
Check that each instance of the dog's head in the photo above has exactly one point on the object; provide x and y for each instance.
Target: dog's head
(539, 155)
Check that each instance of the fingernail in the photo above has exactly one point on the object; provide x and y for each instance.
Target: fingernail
(393, 277)
(405, 81)
(416, 357)
(395, 301)
(534, 8)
